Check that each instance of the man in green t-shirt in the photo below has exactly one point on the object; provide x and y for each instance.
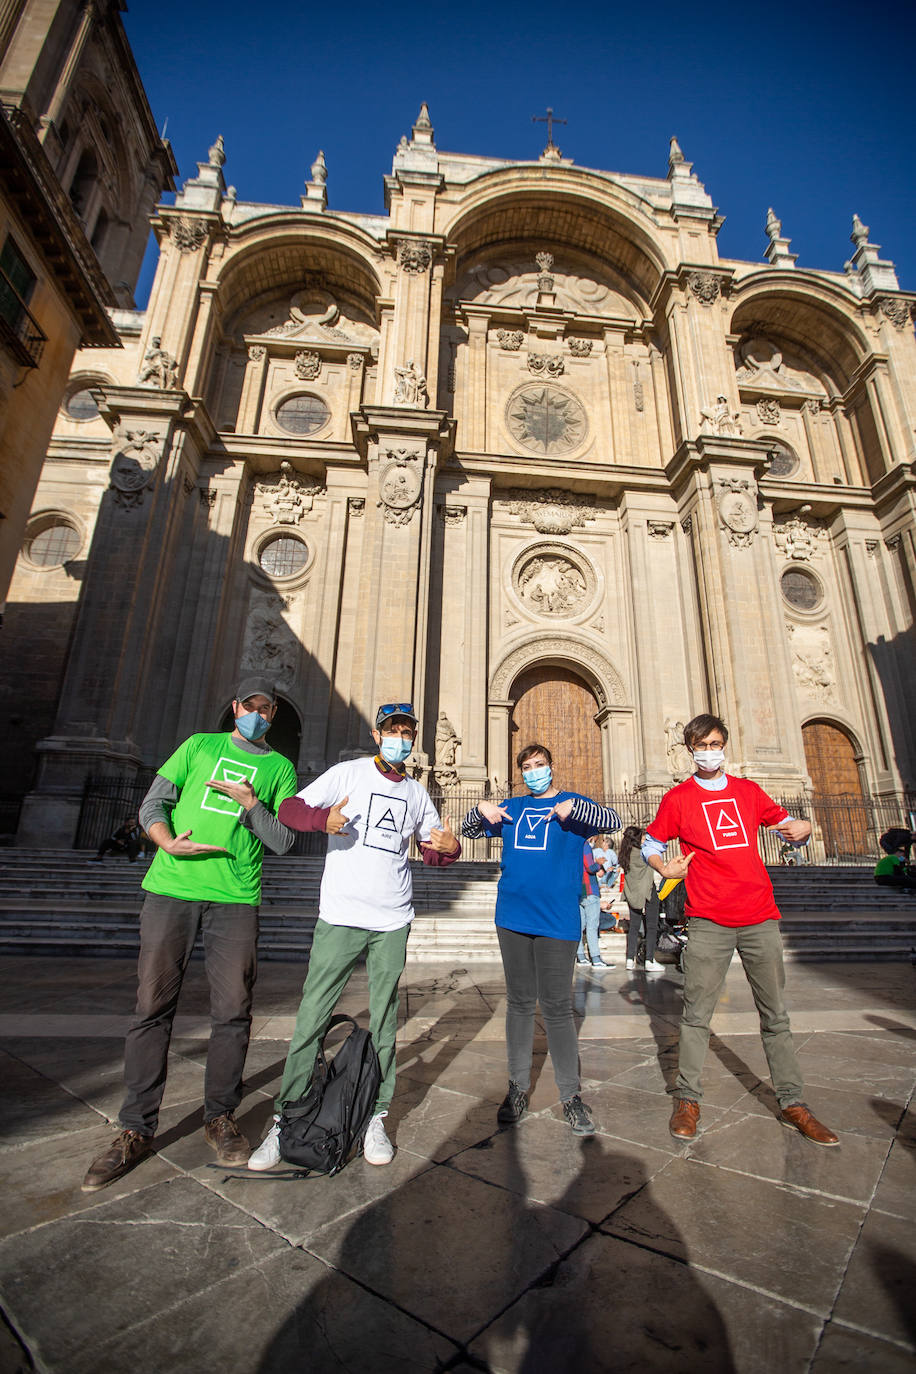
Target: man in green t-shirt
(210, 810)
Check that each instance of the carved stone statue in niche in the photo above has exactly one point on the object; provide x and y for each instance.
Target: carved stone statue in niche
(720, 418)
(447, 741)
(270, 645)
(552, 585)
(159, 368)
(410, 386)
(680, 764)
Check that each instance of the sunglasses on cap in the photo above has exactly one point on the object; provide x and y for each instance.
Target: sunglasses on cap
(394, 708)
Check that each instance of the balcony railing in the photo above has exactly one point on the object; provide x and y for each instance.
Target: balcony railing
(19, 330)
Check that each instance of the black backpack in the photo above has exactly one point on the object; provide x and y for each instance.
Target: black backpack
(319, 1131)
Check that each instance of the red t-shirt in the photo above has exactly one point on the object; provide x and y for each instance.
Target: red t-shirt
(726, 881)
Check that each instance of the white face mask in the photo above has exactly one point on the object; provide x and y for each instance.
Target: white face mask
(709, 759)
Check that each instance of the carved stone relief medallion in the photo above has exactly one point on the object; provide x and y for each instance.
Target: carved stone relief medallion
(546, 419)
(738, 510)
(399, 485)
(136, 454)
(546, 364)
(551, 581)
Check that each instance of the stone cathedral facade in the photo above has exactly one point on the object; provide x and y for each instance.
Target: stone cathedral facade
(524, 449)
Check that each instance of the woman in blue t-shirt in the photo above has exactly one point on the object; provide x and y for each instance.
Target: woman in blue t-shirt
(538, 924)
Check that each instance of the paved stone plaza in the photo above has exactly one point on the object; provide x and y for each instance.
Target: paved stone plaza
(513, 1250)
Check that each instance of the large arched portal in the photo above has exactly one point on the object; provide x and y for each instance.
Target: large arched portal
(830, 755)
(554, 706)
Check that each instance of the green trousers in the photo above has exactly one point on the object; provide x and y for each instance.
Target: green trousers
(335, 952)
(707, 956)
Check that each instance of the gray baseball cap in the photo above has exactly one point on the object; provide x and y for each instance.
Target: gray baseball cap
(255, 686)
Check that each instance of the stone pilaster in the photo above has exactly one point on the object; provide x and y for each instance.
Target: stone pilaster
(746, 659)
(401, 448)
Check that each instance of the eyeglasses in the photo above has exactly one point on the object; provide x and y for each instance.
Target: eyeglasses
(395, 708)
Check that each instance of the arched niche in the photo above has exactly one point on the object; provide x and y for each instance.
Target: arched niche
(569, 209)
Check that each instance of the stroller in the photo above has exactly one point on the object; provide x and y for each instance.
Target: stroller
(672, 929)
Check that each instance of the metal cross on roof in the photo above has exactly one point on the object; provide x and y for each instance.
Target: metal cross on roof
(549, 119)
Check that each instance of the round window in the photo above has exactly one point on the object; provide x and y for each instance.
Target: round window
(51, 543)
(801, 589)
(283, 556)
(302, 414)
(783, 462)
(81, 405)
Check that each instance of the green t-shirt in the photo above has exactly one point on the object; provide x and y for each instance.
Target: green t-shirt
(214, 818)
(889, 866)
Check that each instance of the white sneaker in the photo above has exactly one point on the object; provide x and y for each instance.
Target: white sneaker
(652, 966)
(268, 1152)
(631, 963)
(377, 1148)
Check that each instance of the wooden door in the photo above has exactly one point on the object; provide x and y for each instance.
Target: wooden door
(553, 706)
(840, 810)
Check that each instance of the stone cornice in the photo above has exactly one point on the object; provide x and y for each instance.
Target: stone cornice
(32, 187)
(711, 451)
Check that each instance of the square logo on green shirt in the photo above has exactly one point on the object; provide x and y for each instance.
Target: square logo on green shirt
(227, 770)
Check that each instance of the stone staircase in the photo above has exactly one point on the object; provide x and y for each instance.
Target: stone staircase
(58, 902)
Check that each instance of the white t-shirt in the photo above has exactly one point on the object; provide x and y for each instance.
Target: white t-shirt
(366, 881)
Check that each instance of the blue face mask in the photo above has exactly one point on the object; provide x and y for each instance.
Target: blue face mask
(252, 726)
(537, 780)
(394, 748)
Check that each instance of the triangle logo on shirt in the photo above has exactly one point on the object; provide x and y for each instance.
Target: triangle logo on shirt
(725, 825)
(386, 821)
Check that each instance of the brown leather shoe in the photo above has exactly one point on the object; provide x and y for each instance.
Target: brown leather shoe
(227, 1140)
(798, 1117)
(684, 1119)
(126, 1151)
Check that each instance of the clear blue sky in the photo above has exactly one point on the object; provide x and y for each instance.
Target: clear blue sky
(806, 107)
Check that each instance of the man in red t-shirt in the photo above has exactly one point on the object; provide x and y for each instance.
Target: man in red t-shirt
(729, 906)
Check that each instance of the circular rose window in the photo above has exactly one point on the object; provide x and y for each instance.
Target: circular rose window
(302, 414)
(283, 556)
(82, 405)
(546, 419)
(783, 462)
(51, 542)
(801, 589)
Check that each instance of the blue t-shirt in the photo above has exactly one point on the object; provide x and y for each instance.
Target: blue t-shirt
(541, 875)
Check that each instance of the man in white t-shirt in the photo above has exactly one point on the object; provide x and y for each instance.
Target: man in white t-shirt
(370, 809)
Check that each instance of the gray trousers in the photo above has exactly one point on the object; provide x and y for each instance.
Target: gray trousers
(706, 959)
(168, 929)
(539, 969)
